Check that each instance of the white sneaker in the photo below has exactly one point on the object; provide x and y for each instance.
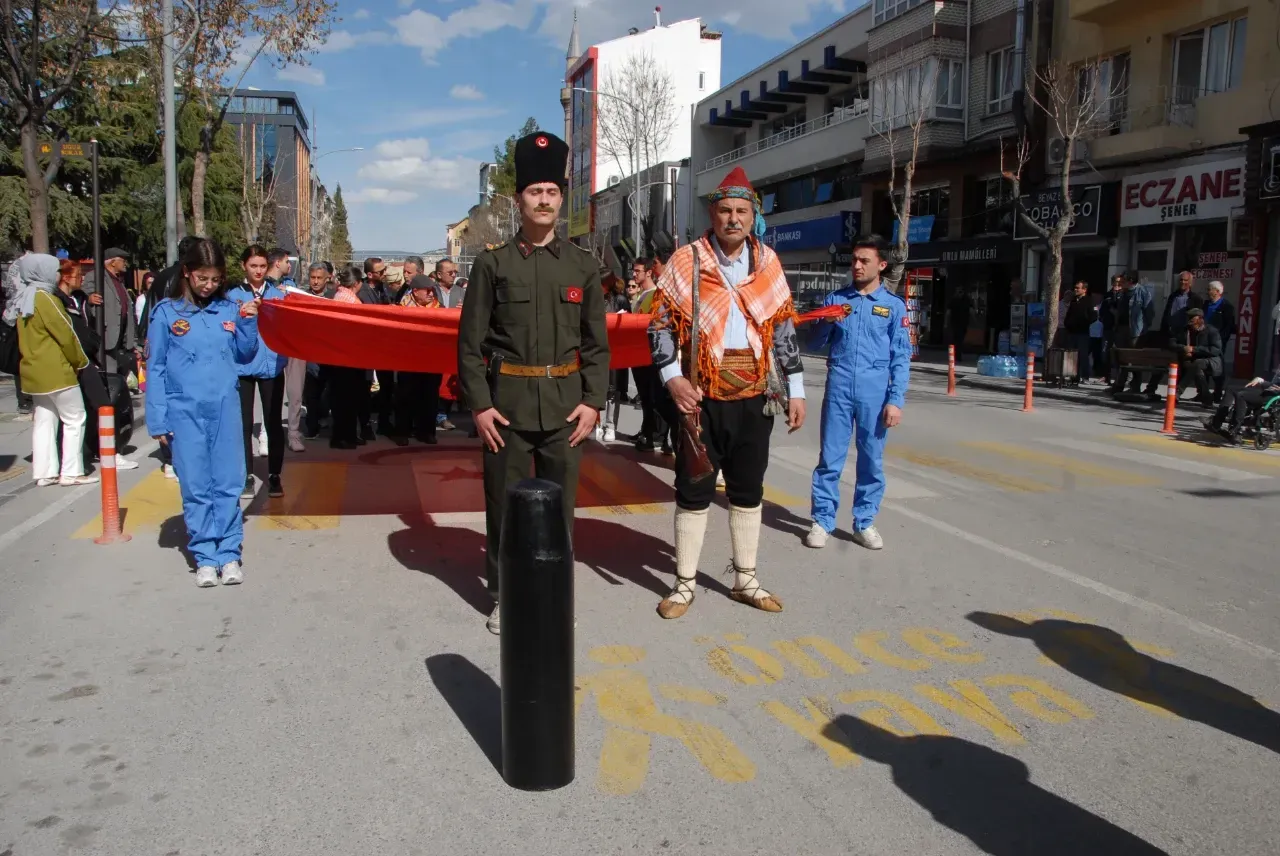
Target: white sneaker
(206, 576)
(610, 435)
(72, 481)
(123, 463)
(262, 445)
(869, 538)
(169, 471)
(492, 623)
(599, 433)
(296, 444)
(817, 537)
(231, 574)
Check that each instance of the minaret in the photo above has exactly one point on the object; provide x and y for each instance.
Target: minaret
(566, 94)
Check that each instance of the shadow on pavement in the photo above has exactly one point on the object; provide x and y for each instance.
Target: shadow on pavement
(1227, 493)
(173, 536)
(985, 795)
(615, 551)
(453, 555)
(474, 698)
(1105, 658)
(783, 520)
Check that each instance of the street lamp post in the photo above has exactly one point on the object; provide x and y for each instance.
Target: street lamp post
(635, 120)
(311, 169)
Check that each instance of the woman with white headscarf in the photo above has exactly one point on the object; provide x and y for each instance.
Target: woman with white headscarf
(51, 359)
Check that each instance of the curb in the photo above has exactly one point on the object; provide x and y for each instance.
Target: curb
(977, 382)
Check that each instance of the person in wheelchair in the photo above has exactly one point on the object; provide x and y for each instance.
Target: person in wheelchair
(1245, 404)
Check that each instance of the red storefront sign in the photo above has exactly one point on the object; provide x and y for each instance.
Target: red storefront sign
(1250, 306)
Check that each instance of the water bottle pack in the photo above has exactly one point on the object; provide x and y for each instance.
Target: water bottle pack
(1002, 366)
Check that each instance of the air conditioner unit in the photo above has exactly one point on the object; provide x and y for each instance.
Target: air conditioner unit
(614, 181)
(1058, 147)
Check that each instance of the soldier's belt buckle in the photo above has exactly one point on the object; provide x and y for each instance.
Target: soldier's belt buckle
(549, 374)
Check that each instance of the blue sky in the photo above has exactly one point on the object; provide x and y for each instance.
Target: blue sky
(428, 87)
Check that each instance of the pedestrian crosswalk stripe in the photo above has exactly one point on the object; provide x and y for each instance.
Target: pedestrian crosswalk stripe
(802, 462)
(1180, 446)
(147, 505)
(314, 500)
(1135, 456)
(1073, 466)
(968, 471)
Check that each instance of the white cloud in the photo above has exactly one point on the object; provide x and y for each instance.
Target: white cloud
(408, 163)
(360, 15)
(430, 33)
(343, 40)
(383, 195)
(302, 74)
(466, 92)
(417, 147)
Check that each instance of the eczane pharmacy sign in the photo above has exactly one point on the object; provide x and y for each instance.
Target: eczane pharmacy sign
(1203, 191)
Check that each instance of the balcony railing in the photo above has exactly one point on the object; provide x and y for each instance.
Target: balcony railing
(1171, 106)
(835, 117)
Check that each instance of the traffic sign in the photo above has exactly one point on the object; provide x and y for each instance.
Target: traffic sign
(67, 150)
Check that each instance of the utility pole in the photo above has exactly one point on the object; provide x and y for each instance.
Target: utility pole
(170, 141)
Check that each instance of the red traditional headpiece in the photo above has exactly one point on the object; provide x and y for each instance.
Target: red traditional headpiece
(737, 178)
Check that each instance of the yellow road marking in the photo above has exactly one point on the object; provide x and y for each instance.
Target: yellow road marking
(960, 468)
(1111, 475)
(12, 473)
(777, 496)
(314, 500)
(1186, 448)
(147, 505)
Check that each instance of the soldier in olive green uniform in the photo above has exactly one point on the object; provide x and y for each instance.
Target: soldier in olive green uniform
(533, 350)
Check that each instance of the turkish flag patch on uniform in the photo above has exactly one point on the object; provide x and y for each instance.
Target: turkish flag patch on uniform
(906, 322)
(573, 294)
(229, 326)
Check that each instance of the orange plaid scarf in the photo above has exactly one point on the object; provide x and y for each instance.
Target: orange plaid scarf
(763, 297)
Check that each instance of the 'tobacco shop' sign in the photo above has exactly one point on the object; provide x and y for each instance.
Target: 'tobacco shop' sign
(1205, 191)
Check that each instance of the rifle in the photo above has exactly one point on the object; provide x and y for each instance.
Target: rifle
(697, 466)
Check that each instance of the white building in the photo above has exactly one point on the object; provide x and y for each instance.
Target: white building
(798, 126)
(686, 50)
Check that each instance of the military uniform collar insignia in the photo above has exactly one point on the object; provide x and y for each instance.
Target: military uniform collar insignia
(526, 247)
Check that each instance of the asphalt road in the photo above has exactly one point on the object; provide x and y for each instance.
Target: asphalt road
(1068, 646)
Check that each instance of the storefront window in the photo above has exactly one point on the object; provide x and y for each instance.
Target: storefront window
(935, 201)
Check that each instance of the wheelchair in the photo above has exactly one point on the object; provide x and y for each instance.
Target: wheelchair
(1262, 426)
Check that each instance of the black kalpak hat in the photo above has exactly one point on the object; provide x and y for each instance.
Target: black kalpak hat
(539, 158)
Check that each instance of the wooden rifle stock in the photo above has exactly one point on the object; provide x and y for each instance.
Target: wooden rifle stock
(697, 466)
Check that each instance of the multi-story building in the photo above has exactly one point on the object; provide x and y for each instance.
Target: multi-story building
(660, 212)
(1184, 85)
(797, 125)
(273, 128)
(601, 139)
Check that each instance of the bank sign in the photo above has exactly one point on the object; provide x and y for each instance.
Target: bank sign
(814, 234)
(1205, 191)
(1045, 207)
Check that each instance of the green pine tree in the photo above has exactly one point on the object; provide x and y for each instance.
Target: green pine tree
(504, 175)
(340, 243)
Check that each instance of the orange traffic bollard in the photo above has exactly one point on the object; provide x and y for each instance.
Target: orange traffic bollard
(1031, 374)
(1171, 401)
(111, 531)
(951, 369)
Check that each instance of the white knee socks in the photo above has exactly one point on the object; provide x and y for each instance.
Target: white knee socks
(691, 529)
(744, 533)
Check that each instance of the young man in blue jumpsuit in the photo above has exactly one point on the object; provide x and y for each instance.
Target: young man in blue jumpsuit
(193, 403)
(867, 371)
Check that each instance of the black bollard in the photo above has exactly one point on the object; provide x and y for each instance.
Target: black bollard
(536, 609)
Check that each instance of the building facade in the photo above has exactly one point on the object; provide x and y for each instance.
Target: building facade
(797, 125)
(1185, 85)
(600, 136)
(273, 132)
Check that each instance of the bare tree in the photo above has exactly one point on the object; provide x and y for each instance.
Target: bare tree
(260, 178)
(489, 224)
(899, 111)
(226, 38)
(1077, 102)
(43, 47)
(322, 213)
(637, 115)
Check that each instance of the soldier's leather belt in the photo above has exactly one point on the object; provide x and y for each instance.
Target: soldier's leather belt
(517, 370)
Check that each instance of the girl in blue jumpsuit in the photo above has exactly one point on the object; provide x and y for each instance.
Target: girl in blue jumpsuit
(196, 340)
